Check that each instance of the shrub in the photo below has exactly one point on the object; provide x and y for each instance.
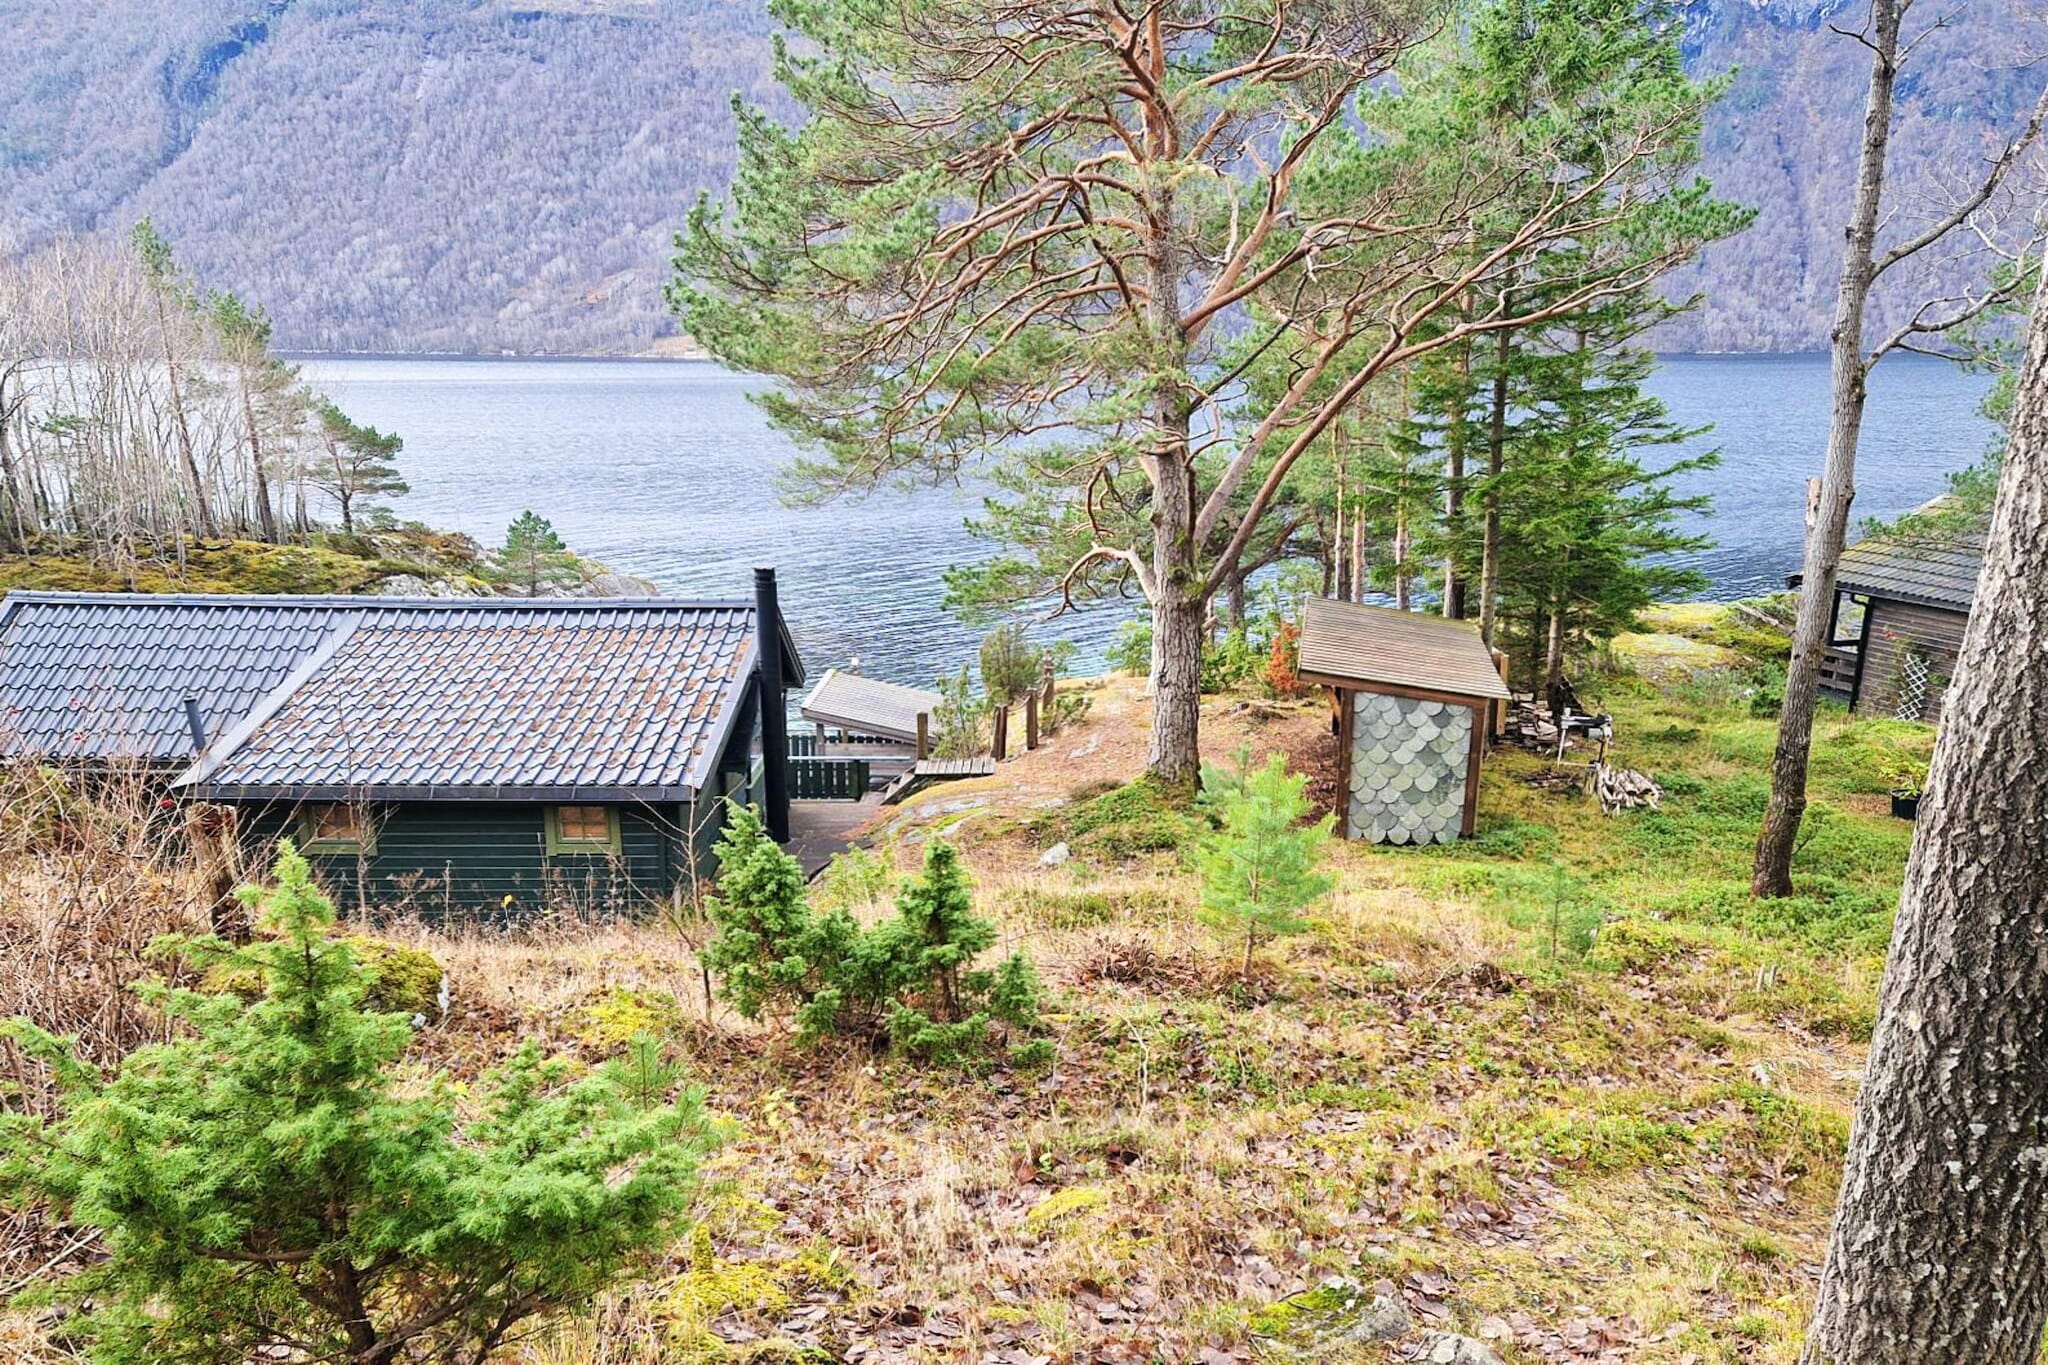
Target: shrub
(278, 1182)
(1258, 868)
(1131, 650)
(1009, 666)
(910, 979)
(960, 720)
(771, 954)
(1283, 661)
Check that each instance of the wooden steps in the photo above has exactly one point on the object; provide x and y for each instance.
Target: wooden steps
(930, 770)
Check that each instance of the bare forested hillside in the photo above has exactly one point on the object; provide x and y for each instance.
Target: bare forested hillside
(485, 175)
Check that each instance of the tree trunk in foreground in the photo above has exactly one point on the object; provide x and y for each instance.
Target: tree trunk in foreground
(1940, 1244)
(1772, 872)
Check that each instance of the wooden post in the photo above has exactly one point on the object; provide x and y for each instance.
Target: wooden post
(1002, 737)
(924, 735)
(1046, 685)
(1031, 719)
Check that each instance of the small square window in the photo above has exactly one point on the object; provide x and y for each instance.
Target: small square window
(334, 827)
(582, 829)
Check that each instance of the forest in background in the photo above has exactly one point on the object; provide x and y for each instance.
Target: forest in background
(479, 176)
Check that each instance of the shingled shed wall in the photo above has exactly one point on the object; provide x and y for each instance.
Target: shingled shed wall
(1407, 769)
(1414, 693)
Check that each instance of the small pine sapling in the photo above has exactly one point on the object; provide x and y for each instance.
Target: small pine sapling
(280, 1182)
(1258, 866)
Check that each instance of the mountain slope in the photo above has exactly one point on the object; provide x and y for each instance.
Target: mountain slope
(485, 175)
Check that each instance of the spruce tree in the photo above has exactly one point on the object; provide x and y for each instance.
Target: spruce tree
(279, 1182)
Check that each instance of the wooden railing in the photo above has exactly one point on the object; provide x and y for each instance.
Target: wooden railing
(1838, 666)
(828, 779)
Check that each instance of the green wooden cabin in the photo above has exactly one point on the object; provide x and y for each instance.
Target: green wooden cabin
(434, 756)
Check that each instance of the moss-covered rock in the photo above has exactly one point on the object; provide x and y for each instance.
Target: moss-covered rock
(1339, 1320)
(402, 980)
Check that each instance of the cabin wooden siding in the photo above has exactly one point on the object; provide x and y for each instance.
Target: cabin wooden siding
(448, 859)
(490, 859)
(1895, 631)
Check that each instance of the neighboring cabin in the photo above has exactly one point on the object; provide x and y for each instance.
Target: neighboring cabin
(1902, 599)
(443, 754)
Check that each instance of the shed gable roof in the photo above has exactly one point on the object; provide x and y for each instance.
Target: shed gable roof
(485, 698)
(1935, 565)
(1380, 646)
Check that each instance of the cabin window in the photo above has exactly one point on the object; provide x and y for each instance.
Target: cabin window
(583, 829)
(335, 827)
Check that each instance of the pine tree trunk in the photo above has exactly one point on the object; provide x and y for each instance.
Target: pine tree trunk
(201, 507)
(266, 516)
(1179, 604)
(1772, 872)
(1496, 461)
(1454, 492)
(1177, 614)
(1940, 1244)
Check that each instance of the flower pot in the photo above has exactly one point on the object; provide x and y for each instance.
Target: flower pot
(1905, 807)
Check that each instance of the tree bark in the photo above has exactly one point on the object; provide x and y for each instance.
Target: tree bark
(1940, 1243)
(202, 508)
(1454, 490)
(1179, 602)
(1771, 874)
(1496, 461)
(266, 516)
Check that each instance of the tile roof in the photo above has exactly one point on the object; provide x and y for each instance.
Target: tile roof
(377, 697)
(868, 706)
(105, 677)
(1390, 648)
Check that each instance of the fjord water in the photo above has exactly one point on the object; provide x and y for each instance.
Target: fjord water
(664, 470)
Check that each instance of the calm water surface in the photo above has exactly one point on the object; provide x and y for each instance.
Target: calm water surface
(664, 470)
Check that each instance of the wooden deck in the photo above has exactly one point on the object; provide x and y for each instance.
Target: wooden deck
(819, 829)
(930, 770)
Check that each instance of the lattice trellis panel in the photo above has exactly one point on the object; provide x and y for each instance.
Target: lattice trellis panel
(1915, 677)
(1408, 760)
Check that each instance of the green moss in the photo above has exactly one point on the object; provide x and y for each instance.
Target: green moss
(330, 564)
(1062, 1205)
(402, 980)
(1128, 821)
(623, 1015)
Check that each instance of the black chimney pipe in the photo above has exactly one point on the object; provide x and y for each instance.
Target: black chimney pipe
(196, 724)
(774, 709)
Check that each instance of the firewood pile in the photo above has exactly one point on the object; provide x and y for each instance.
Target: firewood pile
(1529, 725)
(1622, 789)
(1618, 789)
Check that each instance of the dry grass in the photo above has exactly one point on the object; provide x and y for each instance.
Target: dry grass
(1585, 1161)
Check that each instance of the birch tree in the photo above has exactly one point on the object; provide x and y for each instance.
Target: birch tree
(1865, 263)
(1046, 238)
(1940, 1242)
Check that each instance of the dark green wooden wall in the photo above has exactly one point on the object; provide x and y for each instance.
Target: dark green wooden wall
(490, 859)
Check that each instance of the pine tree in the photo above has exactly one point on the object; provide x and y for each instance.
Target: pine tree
(533, 557)
(279, 1181)
(1258, 867)
(357, 464)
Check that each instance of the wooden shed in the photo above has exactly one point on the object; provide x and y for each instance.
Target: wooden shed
(1414, 697)
(1902, 599)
